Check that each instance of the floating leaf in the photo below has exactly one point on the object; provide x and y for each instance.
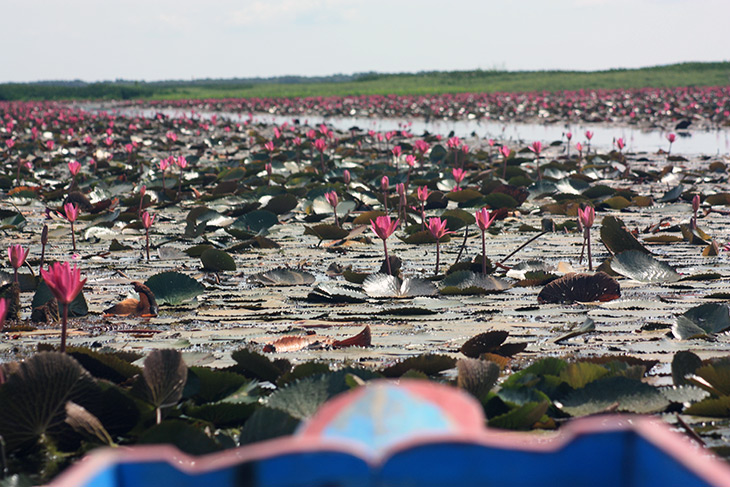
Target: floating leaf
(104, 365)
(522, 418)
(710, 317)
(583, 288)
(684, 363)
(588, 326)
(578, 374)
(326, 232)
(43, 295)
(616, 238)
(268, 423)
(255, 366)
(468, 282)
(477, 376)
(483, 343)
(465, 195)
(625, 394)
(713, 377)
(672, 195)
(364, 218)
(214, 385)
(711, 407)
(686, 329)
(385, 286)
(174, 288)
(684, 394)
(282, 203)
(215, 260)
(282, 277)
(328, 293)
(34, 397)
(252, 224)
(429, 364)
(642, 267)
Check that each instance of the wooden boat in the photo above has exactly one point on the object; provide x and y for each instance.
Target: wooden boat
(420, 433)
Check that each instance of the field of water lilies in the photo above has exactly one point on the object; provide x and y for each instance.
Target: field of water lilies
(189, 273)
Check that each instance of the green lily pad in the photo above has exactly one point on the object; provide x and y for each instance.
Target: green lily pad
(326, 232)
(642, 267)
(174, 288)
(282, 277)
(626, 394)
(429, 364)
(215, 260)
(77, 307)
(252, 224)
(615, 236)
(385, 286)
(282, 203)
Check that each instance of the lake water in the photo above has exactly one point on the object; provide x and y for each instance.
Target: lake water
(713, 143)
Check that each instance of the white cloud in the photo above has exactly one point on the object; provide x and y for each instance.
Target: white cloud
(259, 12)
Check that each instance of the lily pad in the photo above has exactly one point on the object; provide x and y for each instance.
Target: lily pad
(282, 203)
(252, 224)
(642, 267)
(429, 364)
(215, 260)
(385, 286)
(326, 232)
(468, 282)
(174, 288)
(616, 238)
(282, 277)
(77, 307)
(584, 288)
(709, 318)
(624, 394)
(483, 343)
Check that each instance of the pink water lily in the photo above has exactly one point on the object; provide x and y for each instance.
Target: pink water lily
(459, 175)
(71, 211)
(671, 138)
(333, 200)
(65, 283)
(484, 219)
(384, 227)
(437, 229)
(586, 217)
(147, 221)
(17, 255)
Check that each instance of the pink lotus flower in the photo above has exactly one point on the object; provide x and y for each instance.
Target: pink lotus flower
(397, 151)
(346, 177)
(65, 283)
(171, 136)
(459, 175)
(589, 135)
(437, 229)
(181, 162)
(421, 146)
(72, 212)
(333, 200)
(536, 147)
(569, 135)
(147, 221)
(269, 146)
(411, 160)
(17, 255)
(384, 227)
(586, 217)
(453, 143)
(620, 143)
(484, 220)
(695, 208)
(9, 143)
(671, 138)
(320, 145)
(49, 145)
(74, 167)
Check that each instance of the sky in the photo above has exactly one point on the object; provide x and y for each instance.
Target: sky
(150, 40)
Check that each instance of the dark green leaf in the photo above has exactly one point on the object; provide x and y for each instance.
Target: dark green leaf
(174, 287)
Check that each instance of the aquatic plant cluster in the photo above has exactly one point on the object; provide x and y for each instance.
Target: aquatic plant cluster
(707, 107)
(212, 196)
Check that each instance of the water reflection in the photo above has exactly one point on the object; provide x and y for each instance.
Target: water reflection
(715, 142)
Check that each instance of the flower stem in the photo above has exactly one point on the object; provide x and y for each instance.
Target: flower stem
(438, 255)
(147, 242)
(63, 328)
(484, 254)
(387, 259)
(588, 240)
(73, 237)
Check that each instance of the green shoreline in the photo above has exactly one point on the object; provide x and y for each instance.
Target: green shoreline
(424, 83)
